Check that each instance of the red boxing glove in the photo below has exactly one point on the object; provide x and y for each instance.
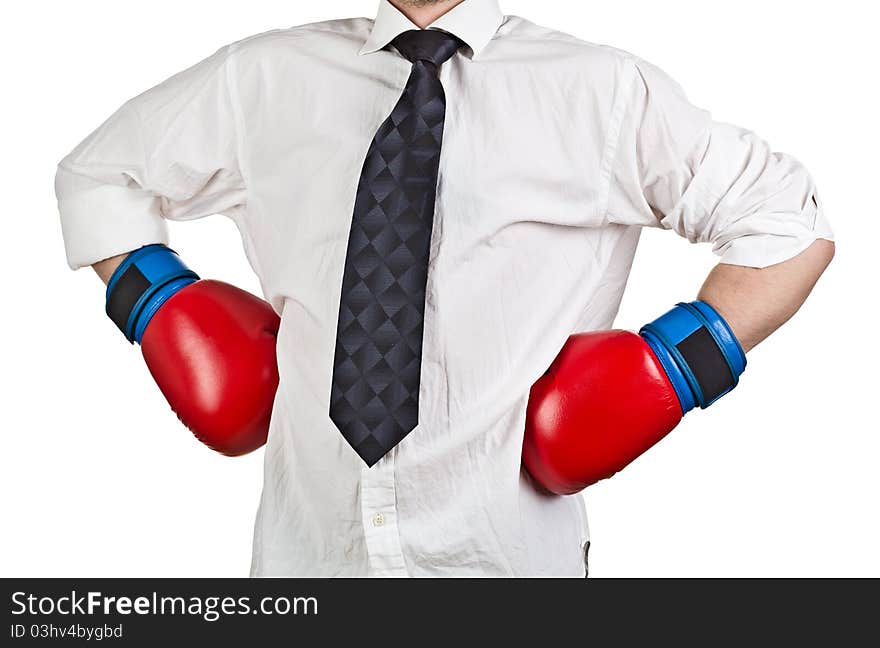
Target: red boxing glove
(210, 346)
(604, 401)
(211, 350)
(611, 395)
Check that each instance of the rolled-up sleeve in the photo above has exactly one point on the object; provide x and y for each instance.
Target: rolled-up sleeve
(676, 168)
(169, 153)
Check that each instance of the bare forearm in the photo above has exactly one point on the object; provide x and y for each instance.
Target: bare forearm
(757, 301)
(106, 267)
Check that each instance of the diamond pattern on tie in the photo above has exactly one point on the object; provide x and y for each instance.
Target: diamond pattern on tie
(377, 364)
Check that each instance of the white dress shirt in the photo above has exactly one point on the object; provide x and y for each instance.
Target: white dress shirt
(556, 153)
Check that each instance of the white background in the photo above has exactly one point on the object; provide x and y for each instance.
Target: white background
(97, 477)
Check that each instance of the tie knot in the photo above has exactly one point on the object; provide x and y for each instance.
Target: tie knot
(427, 45)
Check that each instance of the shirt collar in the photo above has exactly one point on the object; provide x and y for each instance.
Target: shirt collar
(473, 21)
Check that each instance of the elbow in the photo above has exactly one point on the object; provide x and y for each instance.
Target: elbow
(825, 250)
(812, 263)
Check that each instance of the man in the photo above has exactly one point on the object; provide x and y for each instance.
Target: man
(510, 169)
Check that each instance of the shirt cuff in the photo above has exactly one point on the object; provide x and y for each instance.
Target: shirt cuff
(760, 250)
(101, 221)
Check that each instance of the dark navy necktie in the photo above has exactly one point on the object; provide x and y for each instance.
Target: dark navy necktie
(375, 394)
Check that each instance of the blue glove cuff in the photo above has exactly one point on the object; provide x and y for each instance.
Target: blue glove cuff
(698, 351)
(144, 281)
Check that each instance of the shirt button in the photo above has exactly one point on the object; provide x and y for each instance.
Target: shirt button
(378, 520)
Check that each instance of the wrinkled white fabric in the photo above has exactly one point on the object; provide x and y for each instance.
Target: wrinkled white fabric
(556, 152)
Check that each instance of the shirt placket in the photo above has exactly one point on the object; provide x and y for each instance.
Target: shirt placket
(380, 519)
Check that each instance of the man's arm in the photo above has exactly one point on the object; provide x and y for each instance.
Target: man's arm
(168, 154)
(611, 395)
(757, 301)
(107, 267)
